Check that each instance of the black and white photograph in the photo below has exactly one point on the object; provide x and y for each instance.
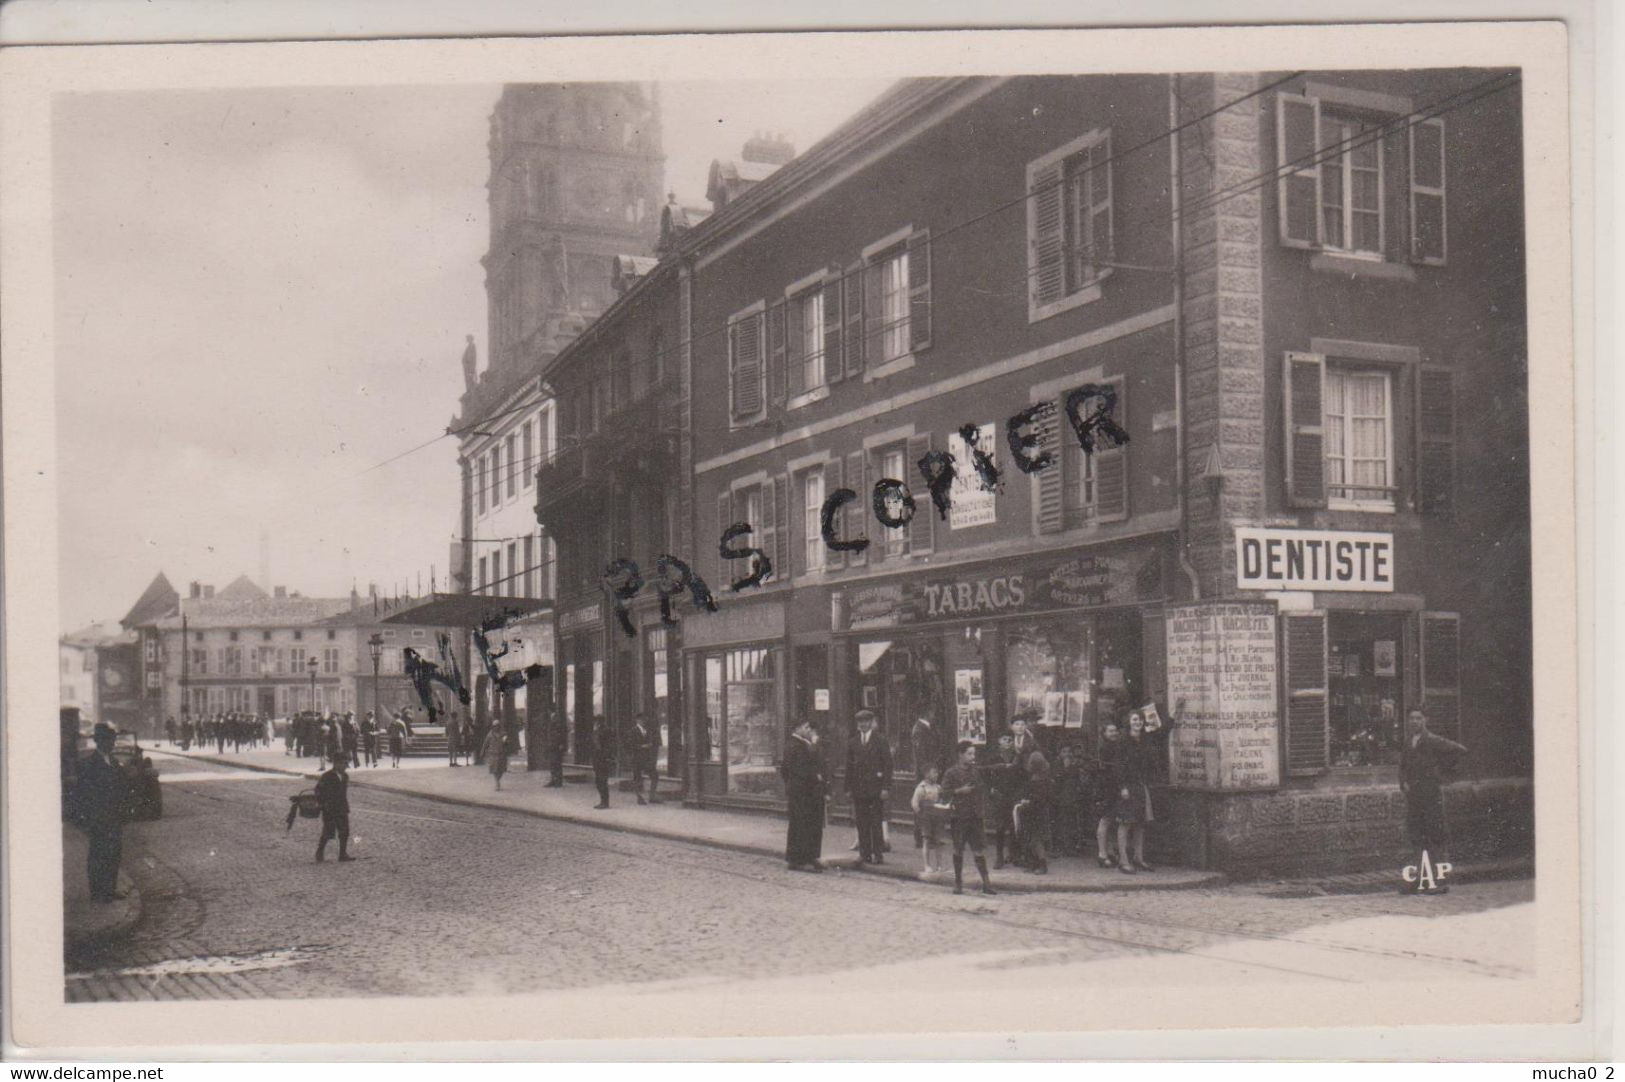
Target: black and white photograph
(781, 537)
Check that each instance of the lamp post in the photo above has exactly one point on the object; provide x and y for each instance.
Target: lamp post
(311, 665)
(375, 646)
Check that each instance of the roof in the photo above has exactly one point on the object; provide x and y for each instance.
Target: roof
(101, 633)
(159, 599)
(242, 588)
(224, 612)
(464, 610)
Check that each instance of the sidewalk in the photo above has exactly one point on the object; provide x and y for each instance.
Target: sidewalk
(746, 832)
(84, 921)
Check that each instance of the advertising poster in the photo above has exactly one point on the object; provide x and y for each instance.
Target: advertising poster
(1222, 663)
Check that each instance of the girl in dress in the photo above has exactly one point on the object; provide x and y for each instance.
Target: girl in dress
(496, 753)
(928, 821)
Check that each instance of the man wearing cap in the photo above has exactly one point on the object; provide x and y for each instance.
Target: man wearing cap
(805, 787)
(333, 794)
(868, 780)
(101, 800)
(1426, 759)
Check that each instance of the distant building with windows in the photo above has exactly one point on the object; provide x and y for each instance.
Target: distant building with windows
(276, 654)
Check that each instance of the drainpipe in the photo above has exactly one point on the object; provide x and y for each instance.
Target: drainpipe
(1176, 179)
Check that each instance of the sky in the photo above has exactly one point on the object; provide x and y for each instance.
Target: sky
(261, 294)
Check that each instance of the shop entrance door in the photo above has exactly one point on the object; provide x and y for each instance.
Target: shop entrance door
(1365, 665)
(267, 702)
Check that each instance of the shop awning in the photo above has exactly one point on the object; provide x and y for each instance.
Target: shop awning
(460, 610)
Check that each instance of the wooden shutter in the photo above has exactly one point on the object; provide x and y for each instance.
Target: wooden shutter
(781, 529)
(1303, 392)
(856, 510)
(798, 528)
(853, 340)
(1435, 439)
(921, 528)
(874, 312)
(766, 536)
(796, 371)
(1427, 180)
(1307, 728)
(1111, 463)
(724, 520)
(1297, 145)
(834, 361)
(1049, 483)
(1100, 201)
(919, 291)
(833, 558)
(747, 367)
(1441, 673)
(777, 316)
(1046, 236)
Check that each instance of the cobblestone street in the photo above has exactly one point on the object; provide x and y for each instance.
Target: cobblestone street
(453, 900)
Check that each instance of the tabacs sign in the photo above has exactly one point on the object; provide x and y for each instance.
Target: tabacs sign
(1314, 560)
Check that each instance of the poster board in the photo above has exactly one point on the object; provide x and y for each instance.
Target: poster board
(1222, 664)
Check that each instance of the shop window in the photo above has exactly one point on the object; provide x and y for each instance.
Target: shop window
(903, 680)
(1359, 438)
(1048, 673)
(751, 713)
(1365, 674)
(710, 733)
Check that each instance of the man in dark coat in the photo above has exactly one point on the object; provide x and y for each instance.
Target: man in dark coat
(333, 794)
(603, 759)
(643, 744)
(558, 744)
(805, 789)
(1006, 782)
(927, 743)
(869, 781)
(100, 806)
(1427, 758)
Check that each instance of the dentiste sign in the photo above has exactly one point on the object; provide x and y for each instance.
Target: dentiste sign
(1314, 560)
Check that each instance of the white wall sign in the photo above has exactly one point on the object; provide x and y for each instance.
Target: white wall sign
(969, 503)
(1268, 559)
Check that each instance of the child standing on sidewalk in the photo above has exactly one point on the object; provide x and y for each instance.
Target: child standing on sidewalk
(928, 822)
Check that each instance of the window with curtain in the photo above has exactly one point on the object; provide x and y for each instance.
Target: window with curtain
(894, 309)
(812, 339)
(891, 463)
(1351, 185)
(812, 501)
(1358, 419)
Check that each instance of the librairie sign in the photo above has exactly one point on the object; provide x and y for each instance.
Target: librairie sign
(1269, 559)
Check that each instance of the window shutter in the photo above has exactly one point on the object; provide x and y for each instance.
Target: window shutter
(776, 319)
(1441, 673)
(724, 520)
(1046, 236)
(1111, 464)
(781, 529)
(833, 559)
(733, 371)
(833, 359)
(922, 526)
(853, 339)
(766, 536)
(1305, 382)
(856, 510)
(1049, 483)
(1435, 439)
(798, 525)
(747, 368)
(1100, 206)
(874, 312)
(919, 290)
(1427, 192)
(1308, 729)
(1297, 145)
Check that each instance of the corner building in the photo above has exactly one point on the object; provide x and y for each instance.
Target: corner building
(1314, 339)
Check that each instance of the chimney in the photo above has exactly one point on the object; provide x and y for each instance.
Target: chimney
(281, 593)
(208, 592)
(768, 148)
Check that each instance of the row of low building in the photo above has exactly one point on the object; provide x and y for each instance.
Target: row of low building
(242, 650)
(1309, 326)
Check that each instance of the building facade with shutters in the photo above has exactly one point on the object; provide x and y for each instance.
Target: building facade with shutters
(1308, 325)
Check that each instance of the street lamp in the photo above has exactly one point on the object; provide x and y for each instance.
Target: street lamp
(375, 646)
(311, 665)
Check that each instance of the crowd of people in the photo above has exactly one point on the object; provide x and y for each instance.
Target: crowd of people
(219, 730)
(1030, 806)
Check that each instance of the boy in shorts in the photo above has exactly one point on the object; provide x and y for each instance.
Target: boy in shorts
(962, 785)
